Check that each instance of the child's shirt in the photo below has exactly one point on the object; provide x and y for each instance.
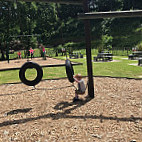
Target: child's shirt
(43, 49)
(31, 51)
(19, 53)
(81, 85)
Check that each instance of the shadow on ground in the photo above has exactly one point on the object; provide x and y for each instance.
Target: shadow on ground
(64, 115)
(28, 90)
(16, 111)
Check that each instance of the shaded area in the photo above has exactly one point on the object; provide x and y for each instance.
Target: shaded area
(65, 115)
(37, 89)
(16, 111)
(20, 92)
(56, 88)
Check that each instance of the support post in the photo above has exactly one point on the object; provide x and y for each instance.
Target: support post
(88, 52)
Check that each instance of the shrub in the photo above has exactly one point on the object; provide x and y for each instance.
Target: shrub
(139, 46)
(107, 42)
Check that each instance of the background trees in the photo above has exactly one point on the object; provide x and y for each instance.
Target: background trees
(58, 24)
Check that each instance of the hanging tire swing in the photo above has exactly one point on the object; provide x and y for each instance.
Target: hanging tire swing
(30, 65)
(69, 70)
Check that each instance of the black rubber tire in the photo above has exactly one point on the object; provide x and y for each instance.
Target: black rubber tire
(69, 70)
(26, 66)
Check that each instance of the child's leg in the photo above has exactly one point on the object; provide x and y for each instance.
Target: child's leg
(76, 95)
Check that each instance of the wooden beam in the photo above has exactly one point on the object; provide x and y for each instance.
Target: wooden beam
(43, 66)
(72, 2)
(111, 14)
(88, 52)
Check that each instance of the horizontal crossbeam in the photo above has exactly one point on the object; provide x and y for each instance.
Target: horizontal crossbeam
(43, 66)
(111, 14)
(72, 2)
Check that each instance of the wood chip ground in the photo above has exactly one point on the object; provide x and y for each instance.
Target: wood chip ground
(47, 114)
(19, 62)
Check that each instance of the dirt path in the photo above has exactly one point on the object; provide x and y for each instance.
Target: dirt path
(47, 114)
(20, 62)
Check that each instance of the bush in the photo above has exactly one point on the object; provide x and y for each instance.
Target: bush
(139, 46)
(100, 48)
(69, 47)
(107, 42)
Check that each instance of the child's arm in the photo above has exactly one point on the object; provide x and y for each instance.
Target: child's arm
(75, 79)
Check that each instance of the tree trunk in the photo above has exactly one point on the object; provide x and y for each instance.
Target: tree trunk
(2, 56)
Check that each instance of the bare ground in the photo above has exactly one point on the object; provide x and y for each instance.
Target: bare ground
(20, 62)
(47, 114)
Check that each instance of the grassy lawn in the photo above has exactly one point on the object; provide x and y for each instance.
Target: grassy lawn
(121, 68)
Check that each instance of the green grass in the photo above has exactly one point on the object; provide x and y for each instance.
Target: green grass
(114, 69)
(50, 52)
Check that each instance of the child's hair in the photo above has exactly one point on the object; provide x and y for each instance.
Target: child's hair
(79, 76)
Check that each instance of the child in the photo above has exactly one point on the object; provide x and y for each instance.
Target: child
(44, 52)
(31, 52)
(19, 55)
(81, 86)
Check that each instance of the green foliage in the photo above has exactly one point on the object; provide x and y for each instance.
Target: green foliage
(58, 24)
(139, 46)
(69, 47)
(100, 48)
(107, 42)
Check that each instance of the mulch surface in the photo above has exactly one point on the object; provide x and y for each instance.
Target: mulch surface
(47, 114)
(19, 62)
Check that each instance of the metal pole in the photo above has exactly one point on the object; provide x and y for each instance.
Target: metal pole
(88, 52)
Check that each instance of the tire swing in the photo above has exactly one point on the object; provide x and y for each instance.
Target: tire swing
(30, 65)
(69, 71)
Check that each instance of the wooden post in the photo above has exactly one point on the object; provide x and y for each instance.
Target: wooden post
(88, 52)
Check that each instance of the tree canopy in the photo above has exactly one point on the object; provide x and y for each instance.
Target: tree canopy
(58, 24)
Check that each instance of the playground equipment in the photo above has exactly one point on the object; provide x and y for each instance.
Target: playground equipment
(69, 71)
(31, 65)
(86, 16)
(27, 65)
(84, 4)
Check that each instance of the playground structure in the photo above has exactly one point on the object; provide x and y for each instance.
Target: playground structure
(29, 65)
(87, 37)
(86, 16)
(96, 15)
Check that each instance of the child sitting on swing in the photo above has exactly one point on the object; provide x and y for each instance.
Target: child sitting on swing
(81, 87)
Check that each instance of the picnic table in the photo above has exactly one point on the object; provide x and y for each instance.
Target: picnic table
(104, 56)
(140, 62)
(75, 55)
(135, 55)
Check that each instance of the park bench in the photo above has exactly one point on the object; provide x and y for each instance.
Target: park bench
(140, 62)
(75, 55)
(135, 55)
(11, 51)
(104, 56)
